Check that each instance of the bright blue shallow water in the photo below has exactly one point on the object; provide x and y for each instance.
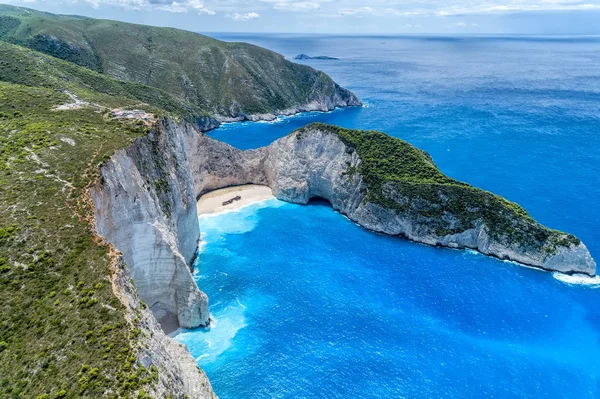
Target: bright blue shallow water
(309, 305)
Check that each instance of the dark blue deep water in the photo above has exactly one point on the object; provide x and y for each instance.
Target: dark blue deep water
(308, 305)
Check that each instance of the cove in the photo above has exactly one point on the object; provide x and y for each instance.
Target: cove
(307, 304)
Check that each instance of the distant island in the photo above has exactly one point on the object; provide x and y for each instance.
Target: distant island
(319, 57)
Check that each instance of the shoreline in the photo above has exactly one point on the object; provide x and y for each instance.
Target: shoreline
(232, 198)
(279, 117)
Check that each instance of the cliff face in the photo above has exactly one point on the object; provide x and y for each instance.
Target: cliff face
(319, 162)
(417, 201)
(178, 374)
(145, 206)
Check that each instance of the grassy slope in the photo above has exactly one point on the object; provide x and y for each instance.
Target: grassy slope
(31, 68)
(62, 331)
(206, 72)
(390, 161)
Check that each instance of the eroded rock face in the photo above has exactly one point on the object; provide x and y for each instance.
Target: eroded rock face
(179, 376)
(316, 163)
(146, 207)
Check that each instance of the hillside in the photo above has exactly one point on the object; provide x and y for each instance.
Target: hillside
(56, 325)
(229, 80)
(30, 68)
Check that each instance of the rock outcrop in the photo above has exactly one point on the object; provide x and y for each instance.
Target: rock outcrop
(316, 162)
(318, 57)
(145, 205)
(320, 161)
(179, 376)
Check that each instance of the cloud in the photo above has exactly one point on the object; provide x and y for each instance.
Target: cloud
(244, 10)
(446, 8)
(163, 5)
(524, 6)
(244, 17)
(296, 5)
(356, 11)
(190, 5)
(461, 24)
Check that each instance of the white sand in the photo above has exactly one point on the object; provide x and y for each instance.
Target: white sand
(212, 202)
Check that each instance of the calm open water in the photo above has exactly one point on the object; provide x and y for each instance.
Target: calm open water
(308, 305)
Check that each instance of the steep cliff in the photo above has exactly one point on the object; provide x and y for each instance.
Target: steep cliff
(387, 185)
(145, 205)
(380, 182)
(176, 373)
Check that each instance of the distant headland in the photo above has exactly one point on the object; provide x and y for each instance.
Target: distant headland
(319, 57)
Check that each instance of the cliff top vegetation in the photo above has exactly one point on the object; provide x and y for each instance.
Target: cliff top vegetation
(401, 177)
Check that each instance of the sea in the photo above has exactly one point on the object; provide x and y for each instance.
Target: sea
(306, 304)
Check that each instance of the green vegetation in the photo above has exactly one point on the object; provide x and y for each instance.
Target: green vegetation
(223, 78)
(401, 177)
(23, 66)
(63, 333)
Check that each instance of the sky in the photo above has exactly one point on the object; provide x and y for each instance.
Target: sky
(545, 17)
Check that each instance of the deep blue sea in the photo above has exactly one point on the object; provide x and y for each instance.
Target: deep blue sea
(308, 305)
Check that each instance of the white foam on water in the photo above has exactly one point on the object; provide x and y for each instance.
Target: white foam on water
(472, 252)
(578, 279)
(259, 204)
(206, 344)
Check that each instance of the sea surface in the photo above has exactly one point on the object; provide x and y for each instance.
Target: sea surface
(308, 305)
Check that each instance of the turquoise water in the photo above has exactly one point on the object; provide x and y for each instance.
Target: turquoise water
(307, 304)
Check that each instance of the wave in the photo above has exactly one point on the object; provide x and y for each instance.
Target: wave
(206, 344)
(578, 279)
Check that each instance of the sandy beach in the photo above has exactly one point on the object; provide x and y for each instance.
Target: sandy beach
(232, 198)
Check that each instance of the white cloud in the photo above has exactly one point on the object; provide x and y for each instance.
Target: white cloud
(356, 11)
(445, 8)
(524, 6)
(461, 24)
(190, 5)
(244, 10)
(296, 6)
(163, 5)
(244, 17)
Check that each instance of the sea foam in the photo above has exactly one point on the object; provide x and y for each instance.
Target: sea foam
(578, 279)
